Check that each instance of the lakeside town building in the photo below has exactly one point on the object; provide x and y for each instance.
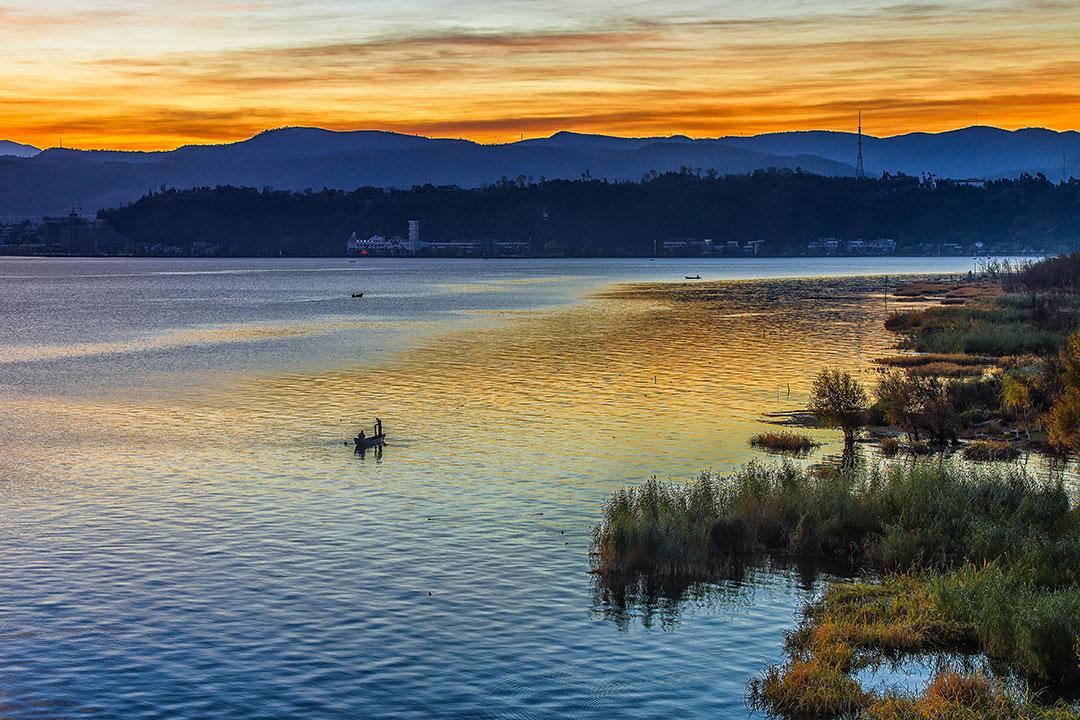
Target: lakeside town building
(412, 244)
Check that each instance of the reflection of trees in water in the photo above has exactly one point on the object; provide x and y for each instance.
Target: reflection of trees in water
(660, 600)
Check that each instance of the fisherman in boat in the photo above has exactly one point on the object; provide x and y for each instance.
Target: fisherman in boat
(378, 427)
(360, 439)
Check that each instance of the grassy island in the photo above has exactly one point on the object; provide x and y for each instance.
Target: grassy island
(784, 442)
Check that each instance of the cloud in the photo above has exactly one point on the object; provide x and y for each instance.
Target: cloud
(590, 66)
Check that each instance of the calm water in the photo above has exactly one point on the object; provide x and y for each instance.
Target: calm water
(184, 535)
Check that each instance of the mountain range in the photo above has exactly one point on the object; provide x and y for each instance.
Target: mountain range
(51, 181)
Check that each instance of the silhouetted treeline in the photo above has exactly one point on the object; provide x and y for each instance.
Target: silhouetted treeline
(590, 217)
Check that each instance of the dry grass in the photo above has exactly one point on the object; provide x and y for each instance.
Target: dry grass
(842, 633)
(990, 450)
(947, 370)
(965, 289)
(955, 696)
(921, 359)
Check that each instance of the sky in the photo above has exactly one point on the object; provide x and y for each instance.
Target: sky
(155, 75)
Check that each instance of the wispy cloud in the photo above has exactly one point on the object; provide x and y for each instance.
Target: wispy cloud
(142, 75)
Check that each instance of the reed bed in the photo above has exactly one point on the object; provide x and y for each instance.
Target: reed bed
(986, 608)
(979, 560)
(919, 516)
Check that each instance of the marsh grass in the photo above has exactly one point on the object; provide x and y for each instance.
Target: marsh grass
(890, 446)
(923, 515)
(976, 561)
(786, 442)
(855, 622)
(1009, 324)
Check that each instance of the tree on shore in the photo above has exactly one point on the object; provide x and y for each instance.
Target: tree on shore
(1063, 423)
(938, 411)
(898, 393)
(1017, 398)
(838, 400)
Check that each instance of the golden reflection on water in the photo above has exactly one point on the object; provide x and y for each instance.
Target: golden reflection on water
(642, 379)
(192, 337)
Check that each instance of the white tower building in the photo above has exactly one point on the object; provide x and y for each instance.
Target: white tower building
(414, 235)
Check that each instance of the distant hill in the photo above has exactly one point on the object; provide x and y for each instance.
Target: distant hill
(15, 149)
(974, 152)
(301, 158)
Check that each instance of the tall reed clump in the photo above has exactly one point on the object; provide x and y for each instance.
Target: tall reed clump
(667, 529)
(935, 516)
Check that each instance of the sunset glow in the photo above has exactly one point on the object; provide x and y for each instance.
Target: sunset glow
(141, 75)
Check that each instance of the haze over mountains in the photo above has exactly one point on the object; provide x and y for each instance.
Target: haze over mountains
(36, 183)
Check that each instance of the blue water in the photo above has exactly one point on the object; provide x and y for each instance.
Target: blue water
(184, 535)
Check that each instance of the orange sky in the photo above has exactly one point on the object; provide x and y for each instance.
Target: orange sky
(143, 75)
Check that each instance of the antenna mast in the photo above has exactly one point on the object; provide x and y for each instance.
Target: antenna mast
(860, 173)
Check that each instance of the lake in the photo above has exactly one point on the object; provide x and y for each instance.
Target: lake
(184, 533)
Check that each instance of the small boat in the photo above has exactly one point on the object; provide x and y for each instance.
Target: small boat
(375, 440)
(692, 277)
(356, 295)
(370, 442)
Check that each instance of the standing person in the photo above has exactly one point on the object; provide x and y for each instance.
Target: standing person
(378, 426)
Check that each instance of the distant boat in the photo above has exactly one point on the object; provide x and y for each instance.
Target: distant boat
(356, 295)
(351, 261)
(692, 277)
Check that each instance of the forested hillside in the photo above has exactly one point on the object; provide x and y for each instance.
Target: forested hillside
(591, 217)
